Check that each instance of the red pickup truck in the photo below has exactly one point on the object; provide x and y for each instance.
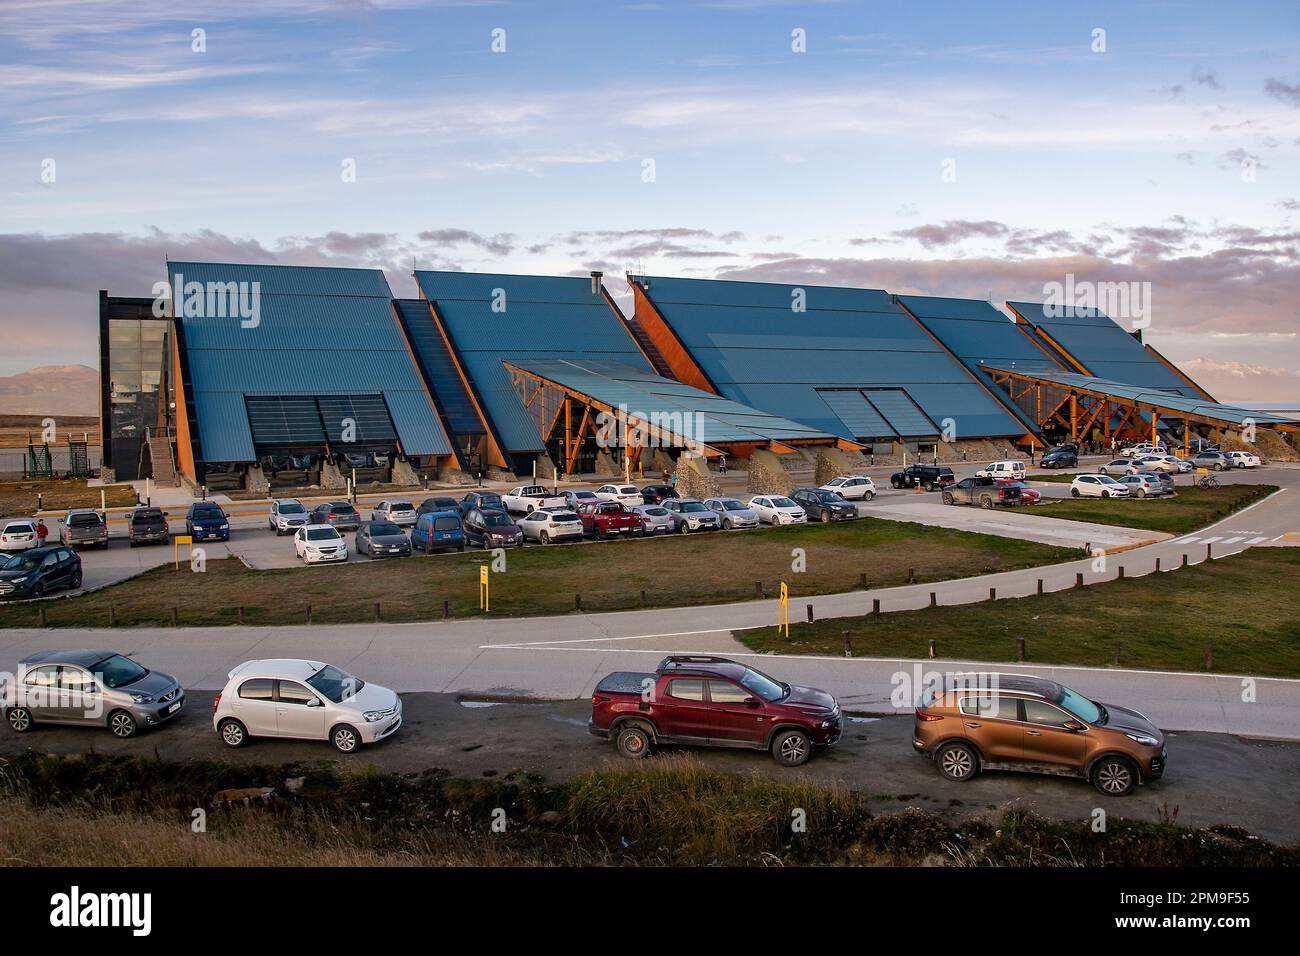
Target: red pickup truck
(712, 702)
(602, 518)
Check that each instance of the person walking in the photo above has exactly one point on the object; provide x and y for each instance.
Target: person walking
(722, 464)
(42, 532)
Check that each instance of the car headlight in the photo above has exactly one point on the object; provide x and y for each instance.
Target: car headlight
(373, 715)
(1145, 739)
(827, 724)
(142, 698)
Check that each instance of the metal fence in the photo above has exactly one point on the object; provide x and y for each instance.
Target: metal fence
(13, 460)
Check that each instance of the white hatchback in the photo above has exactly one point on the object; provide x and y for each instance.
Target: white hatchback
(1097, 486)
(18, 536)
(303, 700)
(777, 509)
(627, 495)
(852, 487)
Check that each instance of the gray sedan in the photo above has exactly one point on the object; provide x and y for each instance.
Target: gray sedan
(378, 539)
(733, 513)
(656, 518)
(87, 687)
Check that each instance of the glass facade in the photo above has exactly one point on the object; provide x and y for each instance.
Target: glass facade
(137, 374)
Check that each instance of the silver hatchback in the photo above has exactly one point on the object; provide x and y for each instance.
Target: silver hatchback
(89, 688)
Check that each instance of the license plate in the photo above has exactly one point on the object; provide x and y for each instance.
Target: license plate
(174, 707)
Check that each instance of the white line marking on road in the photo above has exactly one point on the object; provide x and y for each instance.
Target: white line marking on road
(1194, 538)
(1212, 540)
(1233, 540)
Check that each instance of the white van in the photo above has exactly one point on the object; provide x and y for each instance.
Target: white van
(1013, 470)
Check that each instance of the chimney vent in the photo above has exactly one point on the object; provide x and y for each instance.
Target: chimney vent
(595, 282)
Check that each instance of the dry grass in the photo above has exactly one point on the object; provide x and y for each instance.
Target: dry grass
(58, 494)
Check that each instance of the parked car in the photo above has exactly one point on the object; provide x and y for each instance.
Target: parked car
(1144, 485)
(287, 515)
(1213, 460)
(1197, 445)
(438, 504)
(83, 527)
(928, 477)
(1017, 722)
(18, 536)
(1243, 459)
(320, 544)
(1011, 468)
(777, 509)
(147, 525)
(32, 573)
(657, 494)
(629, 495)
(303, 700)
(438, 531)
(205, 520)
(579, 496)
(1097, 486)
(852, 487)
(1028, 496)
(982, 491)
(824, 506)
(400, 513)
(691, 514)
(655, 519)
(551, 524)
(1121, 466)
(489, 528)
(732, 513)
(1143, 448)
(376, 539)
(603, 518)
(336, 514)
(712, 702)
(528, 498)
(1059, 458)
(483, 501)
(90, 688)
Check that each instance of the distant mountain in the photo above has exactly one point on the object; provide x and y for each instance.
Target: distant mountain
(51, 390)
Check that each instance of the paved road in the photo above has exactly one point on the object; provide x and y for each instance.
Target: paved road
(1212, 778)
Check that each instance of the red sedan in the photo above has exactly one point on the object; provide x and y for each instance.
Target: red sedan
(1028, 496)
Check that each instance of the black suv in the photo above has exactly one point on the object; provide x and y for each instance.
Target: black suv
(488, 528)
(823, 505)
(929, 477)
(1064, 456)
(482, 500)
(29, 574)
(658, 494)
(340, 514)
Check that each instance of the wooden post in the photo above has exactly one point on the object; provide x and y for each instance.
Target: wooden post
(810, 614)
(1078, 580)
(241, 615)
(1040, 585)
(1184, 559)
(1209, 656)
(911, 575)
(758, 589)
(112, 616)
(40, 615)
(1118, 646)
(1157, 565)
(643, 597)
(848, 651)
(862, 579)
(378, 615)
(175, 616)
(875, 605)
(577, 602)
(308, 613)
(1209, 552)
(993, 594)
(1121, 572)
(446, 610)
(933, 649)
(1020, 648)
(934, 599)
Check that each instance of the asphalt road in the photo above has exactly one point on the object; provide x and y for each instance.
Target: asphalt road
(1212, 778)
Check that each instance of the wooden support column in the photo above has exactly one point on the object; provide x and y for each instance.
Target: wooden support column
(1074, 417)
(568, 432)
(1155, 420)
(1038, 399)
(1187, 434)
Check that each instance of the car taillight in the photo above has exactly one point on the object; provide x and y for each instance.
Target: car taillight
(597, 700)
(215, 703)
(922, 715)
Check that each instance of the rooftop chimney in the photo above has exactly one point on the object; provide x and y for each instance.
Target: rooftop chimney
(595, 282)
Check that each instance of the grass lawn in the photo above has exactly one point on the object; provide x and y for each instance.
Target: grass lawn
(1247, 605)
(20, 497)
(1190, 509)
(677, 571)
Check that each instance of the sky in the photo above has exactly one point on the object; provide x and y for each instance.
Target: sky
(980, 149)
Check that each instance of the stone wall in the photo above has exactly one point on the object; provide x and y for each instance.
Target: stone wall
(255, 481)
(694, 479)
(331, 479)
(767, 474)
(831, 462)
(404, 473)
(545, 467)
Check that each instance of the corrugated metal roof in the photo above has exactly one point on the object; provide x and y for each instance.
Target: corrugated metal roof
(859, 416)
(1104, 348)
(529, 318)
(703, 416)
(902, 412)
(756, 348)
(317, 331)
(440, 370)
(1167, 398)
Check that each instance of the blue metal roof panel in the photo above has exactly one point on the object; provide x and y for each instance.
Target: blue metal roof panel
(446, 382)
(224, 433)
(903, 414)
(286, 280)
(861, 419)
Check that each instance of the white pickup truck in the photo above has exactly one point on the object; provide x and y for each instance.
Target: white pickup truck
(528, 498)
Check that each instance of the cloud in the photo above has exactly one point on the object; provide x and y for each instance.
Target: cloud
(1288, 93)
(1206, 77)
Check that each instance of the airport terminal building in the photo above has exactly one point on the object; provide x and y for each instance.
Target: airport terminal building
(253, 376)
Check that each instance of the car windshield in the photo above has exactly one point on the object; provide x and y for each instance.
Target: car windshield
(211, 511)
(335, 684)
(322, 534)
(381, 528)
(1080, 706)
(764, 686)
(1107, 480)
(693, 506)
(496, 521)
(780, 502)
(19, 562)
(83, 520)
(118, 671)
(292, 508)
(731, 504)
(489, 501)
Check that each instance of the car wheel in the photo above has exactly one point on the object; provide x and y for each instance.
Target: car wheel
(232, 733)
(1114, 776)
(726, 524)
(20, 719)
(1142, 492)
(948, 499)
(986, 501)
(1075, 493)
(545, 537)
(957, 761)
(345, 738)
(76, 580)
(38, 590)
(826, 517)
(791, 748)
(927, 487)
(633, 742)
(122, 724)
(871, 496)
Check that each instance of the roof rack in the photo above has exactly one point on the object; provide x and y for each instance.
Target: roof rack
(680, 660)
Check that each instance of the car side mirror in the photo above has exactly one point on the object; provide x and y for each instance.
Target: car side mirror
(752, 702)
(315, 702)
(1072, 725)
